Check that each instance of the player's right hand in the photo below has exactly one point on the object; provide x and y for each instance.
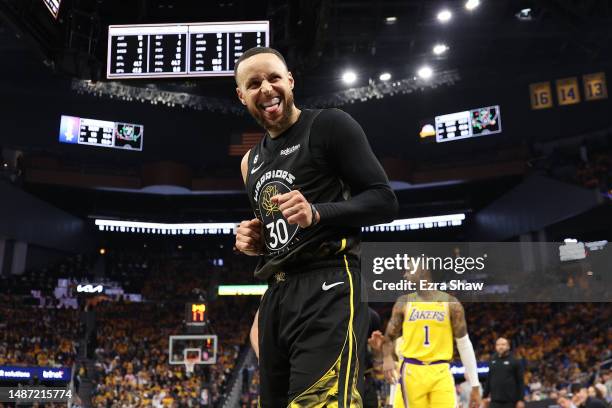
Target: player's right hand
(249, 237)
(475, 399)
(391, 375)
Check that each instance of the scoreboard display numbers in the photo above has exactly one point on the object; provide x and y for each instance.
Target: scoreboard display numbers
(468, 124)
(195, 313)
(101, 133)
(181, 50)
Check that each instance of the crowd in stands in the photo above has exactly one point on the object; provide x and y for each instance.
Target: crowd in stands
(250, 391)
(132, 355)
(44, 279)
(596, 172)
(31, 338)
(588, 164)
(559, 343)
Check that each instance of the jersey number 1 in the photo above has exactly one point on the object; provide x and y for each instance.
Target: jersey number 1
(426, 343)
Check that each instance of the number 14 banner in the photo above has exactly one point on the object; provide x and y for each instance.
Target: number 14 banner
(568, 91)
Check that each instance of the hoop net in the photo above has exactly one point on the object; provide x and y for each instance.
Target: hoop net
(190, 363)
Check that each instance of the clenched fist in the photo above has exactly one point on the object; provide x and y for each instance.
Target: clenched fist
(249, 237)
(295, 208)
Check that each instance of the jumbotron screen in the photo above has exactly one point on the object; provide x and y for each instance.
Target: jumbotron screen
(467, 124)
(181, 50)
(103, 133)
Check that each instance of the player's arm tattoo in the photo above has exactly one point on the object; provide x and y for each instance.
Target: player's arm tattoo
(457, 315)
(394, 327)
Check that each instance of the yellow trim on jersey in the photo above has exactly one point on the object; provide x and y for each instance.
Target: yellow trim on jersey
(350, 356)
(330, 380)
(342, 247)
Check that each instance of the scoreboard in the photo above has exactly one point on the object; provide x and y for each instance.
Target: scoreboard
(195, 313)
(181, 50)
(467, 124)
(103, 133)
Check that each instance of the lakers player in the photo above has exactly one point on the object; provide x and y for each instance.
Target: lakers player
(394, 390)
(427, 322)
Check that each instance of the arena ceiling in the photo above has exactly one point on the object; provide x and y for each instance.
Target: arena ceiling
(497, 49)
(321, 38)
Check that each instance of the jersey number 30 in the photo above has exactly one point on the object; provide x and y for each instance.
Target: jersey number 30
(278, 233)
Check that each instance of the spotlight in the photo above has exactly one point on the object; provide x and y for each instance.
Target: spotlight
(425, 72)
(525, 14)
(444, 16)
(385, 76)
(349, 77)
(440, 49)
(102, 251)
(391, 20)
(472, 4)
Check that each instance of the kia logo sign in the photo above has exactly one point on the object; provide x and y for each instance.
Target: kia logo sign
(89, 288)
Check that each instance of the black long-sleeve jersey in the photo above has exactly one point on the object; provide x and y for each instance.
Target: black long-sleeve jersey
(505, 379)
(327, 157)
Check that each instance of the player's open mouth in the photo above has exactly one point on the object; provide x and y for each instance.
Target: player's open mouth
(272, 105)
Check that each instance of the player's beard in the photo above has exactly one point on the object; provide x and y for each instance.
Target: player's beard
(280, 124)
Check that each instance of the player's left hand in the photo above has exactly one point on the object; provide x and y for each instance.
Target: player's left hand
(295, 208)
(475, 399)
(376, 341)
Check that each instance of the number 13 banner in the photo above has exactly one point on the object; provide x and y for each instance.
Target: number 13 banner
(595, 86)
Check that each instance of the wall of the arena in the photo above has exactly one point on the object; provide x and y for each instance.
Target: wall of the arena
(533, 205)
(40, 257)
(25, 218)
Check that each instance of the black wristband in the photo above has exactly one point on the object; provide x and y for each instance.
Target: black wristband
(314, 221)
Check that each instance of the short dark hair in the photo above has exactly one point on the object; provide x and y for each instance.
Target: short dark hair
(576, 387)
(258, 50)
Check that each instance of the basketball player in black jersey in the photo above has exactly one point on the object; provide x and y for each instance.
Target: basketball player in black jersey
(312, 181)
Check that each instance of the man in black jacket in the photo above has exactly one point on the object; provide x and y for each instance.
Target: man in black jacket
(504, 385)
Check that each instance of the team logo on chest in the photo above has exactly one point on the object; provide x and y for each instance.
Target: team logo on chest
(426, 315)
(278, 233)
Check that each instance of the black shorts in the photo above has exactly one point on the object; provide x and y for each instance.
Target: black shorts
(312, 338)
